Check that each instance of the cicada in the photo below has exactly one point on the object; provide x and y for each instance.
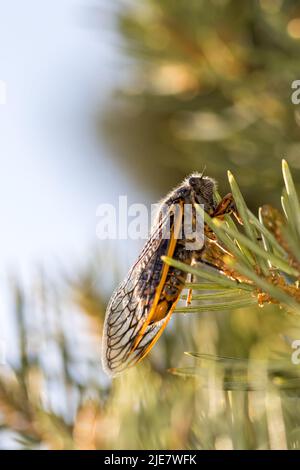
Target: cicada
(142, 305)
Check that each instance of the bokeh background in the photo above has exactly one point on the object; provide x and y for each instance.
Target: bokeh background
(127, 97)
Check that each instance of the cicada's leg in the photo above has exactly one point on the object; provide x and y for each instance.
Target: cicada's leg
(209, 233)
(214, 256)
(190, 292)
(227, 206)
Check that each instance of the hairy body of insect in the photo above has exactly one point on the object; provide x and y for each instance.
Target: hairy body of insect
(142, 305)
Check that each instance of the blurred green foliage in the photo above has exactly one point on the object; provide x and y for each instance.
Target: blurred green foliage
(208, 85)
(54, 395)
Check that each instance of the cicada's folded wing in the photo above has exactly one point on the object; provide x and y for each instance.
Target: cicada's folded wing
(130, 329)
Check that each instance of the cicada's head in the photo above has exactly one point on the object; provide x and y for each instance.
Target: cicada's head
(202, 188)
(196, 188)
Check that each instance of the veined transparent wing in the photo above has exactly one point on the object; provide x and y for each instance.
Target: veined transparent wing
(129, 332)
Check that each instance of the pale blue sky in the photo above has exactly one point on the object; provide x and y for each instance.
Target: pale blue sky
(53, 170)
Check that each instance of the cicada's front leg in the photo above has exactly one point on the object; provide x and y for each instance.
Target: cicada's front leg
(227, 206)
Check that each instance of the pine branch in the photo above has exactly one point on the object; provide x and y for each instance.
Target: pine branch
(262, 264)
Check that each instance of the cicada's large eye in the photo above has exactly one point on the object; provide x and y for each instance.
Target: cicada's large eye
(195, 182)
